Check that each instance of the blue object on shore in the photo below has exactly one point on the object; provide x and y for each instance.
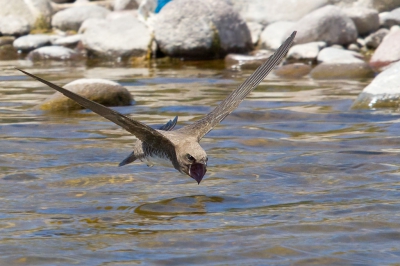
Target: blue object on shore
(160, 5)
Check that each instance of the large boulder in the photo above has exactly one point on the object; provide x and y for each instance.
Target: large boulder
(383, 91)
(15, 26)
(365, 19)
(117, 38)
(201, 29)
(269, 11)
(106, 92)
(275, 34)
(328, 24)
(388, 51)
(35, 12)
(73, 17)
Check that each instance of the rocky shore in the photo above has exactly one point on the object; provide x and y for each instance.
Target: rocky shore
(336, 39)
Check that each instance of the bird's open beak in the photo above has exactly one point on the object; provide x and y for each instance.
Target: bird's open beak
(197, 171)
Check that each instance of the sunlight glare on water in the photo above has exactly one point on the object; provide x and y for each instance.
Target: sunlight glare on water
(294, 175)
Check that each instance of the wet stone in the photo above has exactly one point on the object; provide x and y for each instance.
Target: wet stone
(342, 71)
(30, 42)
(306, 51)
(297, 70)
(6, 40)
(106, 92)
(239, 61)
(8, 52)
(53, 53)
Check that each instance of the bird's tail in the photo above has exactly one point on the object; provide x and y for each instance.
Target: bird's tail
(130, 159)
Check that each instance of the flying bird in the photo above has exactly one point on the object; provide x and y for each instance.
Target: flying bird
(179, 148)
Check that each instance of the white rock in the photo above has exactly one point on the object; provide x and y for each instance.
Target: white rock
(306, 51)
(275, 34)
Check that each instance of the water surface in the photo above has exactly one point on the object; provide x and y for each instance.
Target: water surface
(295, 177)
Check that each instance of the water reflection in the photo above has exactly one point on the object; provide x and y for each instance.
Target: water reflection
(295, 176)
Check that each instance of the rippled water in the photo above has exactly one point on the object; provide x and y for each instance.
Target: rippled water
(295, 176)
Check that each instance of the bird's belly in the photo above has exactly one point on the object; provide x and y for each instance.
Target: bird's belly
(156, 160)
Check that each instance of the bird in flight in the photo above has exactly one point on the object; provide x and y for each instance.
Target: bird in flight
(179, 148)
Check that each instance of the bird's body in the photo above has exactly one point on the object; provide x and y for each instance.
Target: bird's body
(177, 148)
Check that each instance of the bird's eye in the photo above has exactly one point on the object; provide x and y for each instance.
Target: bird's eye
(190, 157)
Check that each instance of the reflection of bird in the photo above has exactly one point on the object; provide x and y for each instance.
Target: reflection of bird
(178, 148)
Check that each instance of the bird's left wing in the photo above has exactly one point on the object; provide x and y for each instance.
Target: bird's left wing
(206, 124)
(143, 132)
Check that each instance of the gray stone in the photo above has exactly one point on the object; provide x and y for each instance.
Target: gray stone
(306, 51)
(238, 61)
(365, 19)
(331, 55)
(68, 41)
(57, 53)
(275, 34)
(106, 92)
(383, 91)
(389, 19)
(35, 12)
(119, 38)
(119, 5)
(255, 31)
(73, 17)
(268, 11)
(388, 51)
(379, 5)
(32, 41)
(15, 26)
(342, 71)
(201, 29)
(374, 39)
(329, 24)
(293, 71)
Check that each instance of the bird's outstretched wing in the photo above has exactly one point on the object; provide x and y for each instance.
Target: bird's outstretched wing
(206, 124)
(140, 130)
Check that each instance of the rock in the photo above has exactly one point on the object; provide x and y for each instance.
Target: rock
(328, 24)
(122, 14)
(382, 92)
(353, 47)
(275, 34)
(6, 40)
(15, 26)
(379, 5)
(292, 71)
(146, 9)
(8, 52)
(106, 92)
(306, 51)
(30, 42)
(388, 51)
(73, 17)
(255, 31)
(201, 29)
(20, 177)
(58, 53)
(332, 55)
(374, 39)
(238, 61)
(68, 41)
(342, 71)
(389, 19)
(365, 19)
(119, 38)
(35, 12)
(269, 11)
(119, 5)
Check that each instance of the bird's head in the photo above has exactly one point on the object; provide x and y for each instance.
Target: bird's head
(192, 161)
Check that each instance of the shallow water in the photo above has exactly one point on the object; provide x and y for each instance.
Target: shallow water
(295, 177)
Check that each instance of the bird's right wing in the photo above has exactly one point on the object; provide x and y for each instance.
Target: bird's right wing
(140, 130)
(206, 124)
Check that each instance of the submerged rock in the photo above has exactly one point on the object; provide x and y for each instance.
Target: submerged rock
(297, 70)
(388, 51)
(118, 38)
(58, 53)
(15, 26)
(383, 91)
(201, 29)
(342, 71)
(73, 17)
(328, 24)
(30, 42)
(106, 92)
